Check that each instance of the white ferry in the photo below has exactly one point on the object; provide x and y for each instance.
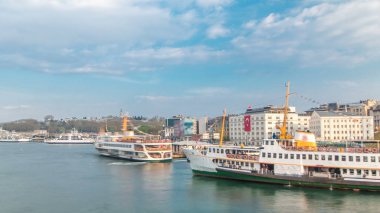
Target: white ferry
(134, 148)
(297, 161)
(71, 138)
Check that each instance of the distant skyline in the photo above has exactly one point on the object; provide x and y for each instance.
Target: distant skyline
(90, 58)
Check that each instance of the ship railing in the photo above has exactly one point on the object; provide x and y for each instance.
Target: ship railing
(331, 149)
(156, 141)
(243, 157)
(158, 149)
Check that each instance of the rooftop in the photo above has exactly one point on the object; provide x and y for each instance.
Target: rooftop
(334, 114)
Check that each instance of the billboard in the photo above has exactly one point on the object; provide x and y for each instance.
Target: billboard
(188, 127)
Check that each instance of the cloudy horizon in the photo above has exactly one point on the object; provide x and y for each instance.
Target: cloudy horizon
(83, 58)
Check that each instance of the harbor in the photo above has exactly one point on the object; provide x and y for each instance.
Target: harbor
(80, 180)
(112, 106)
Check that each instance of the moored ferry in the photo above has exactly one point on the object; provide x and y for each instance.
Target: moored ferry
(134, 148)
(293, 161)
(71, 138)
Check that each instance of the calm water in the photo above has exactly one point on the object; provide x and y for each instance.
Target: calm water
(70, 178)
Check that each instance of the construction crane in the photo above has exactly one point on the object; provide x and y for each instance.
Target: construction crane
(283, 128)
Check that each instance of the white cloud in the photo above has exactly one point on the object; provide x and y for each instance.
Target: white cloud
(213, 3)
(327, 33)
(249, 24)
(155, 98)
(344, 84)
(18, 107)
(70, 22)
(174, 54)
(87, 36)
(216, 31)
(209, 91)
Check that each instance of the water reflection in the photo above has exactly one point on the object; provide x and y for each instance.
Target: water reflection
(40, 178)
(253, 197)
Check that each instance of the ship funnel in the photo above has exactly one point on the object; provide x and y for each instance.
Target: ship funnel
(305, 139)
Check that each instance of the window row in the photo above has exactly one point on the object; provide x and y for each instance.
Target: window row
(343, 158)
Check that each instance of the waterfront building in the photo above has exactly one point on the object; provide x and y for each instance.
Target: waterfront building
(341, 126)
(257, 124)
(376, 117)
(202, 125)
(363, 107)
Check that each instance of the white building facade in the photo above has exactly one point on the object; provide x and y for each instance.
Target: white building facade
(263, 123)
(341, 126)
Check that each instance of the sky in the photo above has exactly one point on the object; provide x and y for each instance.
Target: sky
(89, 58)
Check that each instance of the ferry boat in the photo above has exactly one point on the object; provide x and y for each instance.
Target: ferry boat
(298, 161)
(134, 148)
(71, 138)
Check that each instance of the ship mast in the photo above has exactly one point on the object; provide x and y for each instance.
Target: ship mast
(222, 130)
(283, 132)
(124, 125)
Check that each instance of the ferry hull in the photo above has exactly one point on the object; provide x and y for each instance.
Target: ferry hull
(292, 181)
(49, 142)
(136, 160)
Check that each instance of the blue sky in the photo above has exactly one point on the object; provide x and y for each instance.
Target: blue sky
(193, 57)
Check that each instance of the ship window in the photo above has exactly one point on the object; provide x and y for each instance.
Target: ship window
(272, 143)
(266, 142)
(373, 159)
(217, 150)
(365, 159)
(274, 155)
(351, 158)
(330, 157)
(263, 154)
(298, 156)
(336, 157)
(280, 155)
(304, 156)
(252, 165)
(343, 158)
(366, 172)
(209, 149)
(357, 158)
(373, 172)
(269, 155)
(310, 157)
(291, 156)
(359, 172)
(286, 156)
(351, 172)
(213, 150)
(316, 157)
(344, 171)
(323, 157)
(222, 151)
(246, 164)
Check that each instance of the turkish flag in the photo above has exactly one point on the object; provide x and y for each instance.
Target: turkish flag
(247, 123)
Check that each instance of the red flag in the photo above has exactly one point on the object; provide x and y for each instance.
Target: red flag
(247, 123)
